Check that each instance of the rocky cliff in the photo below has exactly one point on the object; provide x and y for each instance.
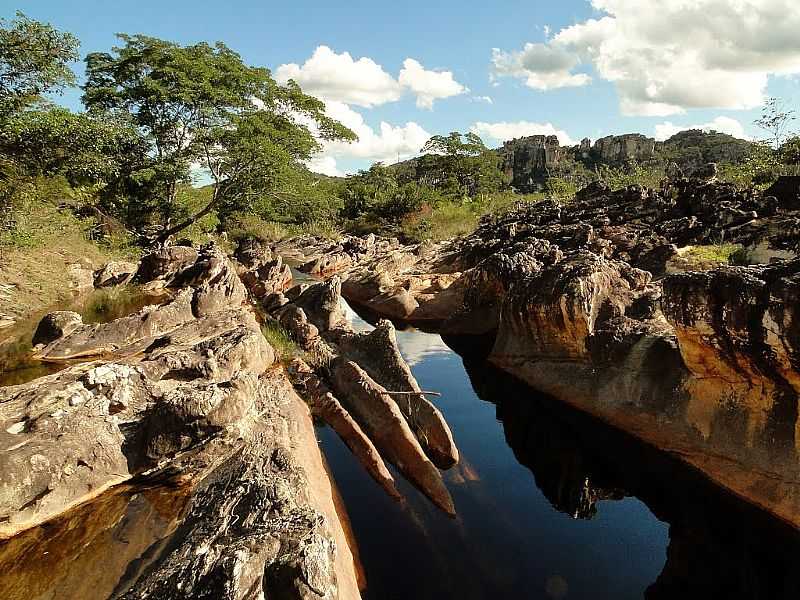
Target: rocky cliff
(529, 161)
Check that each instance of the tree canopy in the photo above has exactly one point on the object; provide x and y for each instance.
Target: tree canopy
(200, 105)
(460, 165)
(34, 59)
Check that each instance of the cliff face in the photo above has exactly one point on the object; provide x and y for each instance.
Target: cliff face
(621, 148)
(529, 161)
(526, 160)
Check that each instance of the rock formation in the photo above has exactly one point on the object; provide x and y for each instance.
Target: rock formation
(576, 300)
(616, 149)
(187, 390)
(360, 384)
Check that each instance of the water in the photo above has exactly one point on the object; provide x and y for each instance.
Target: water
(551, 504)
(17, 364)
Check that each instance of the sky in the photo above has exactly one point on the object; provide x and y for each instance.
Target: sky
(398, 72)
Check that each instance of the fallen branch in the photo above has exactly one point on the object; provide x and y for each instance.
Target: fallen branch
(423, 392)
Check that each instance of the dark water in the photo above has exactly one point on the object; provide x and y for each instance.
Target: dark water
(552, 504)
(17, 363)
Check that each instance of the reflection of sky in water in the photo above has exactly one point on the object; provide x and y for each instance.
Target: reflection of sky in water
(415, 346)
(508, 540)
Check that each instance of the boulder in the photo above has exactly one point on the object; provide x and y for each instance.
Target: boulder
(115, 273)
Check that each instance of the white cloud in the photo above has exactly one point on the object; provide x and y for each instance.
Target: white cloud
(386, 144)
(504, 131)
(428, 85)
(326, 165)
(666, 56)
(542, 66)
(727, 125)
(363, 82)
(486, 99)
(339, 78)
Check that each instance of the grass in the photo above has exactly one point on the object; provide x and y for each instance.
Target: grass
(107, 304)
(449, 219)
(249, 225)
(44, 240)
(703, 258)
(280, 340)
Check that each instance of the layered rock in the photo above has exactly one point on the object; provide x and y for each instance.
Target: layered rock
(574, 299)
(186, 389)
(360, 384)
(622, 148)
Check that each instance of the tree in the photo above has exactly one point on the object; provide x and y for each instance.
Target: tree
(201, 105)
(775, 120)
(34, 59)
(85, 149)
(460, 165)
(790, 151)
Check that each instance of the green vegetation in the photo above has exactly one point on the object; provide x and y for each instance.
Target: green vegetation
(702, 258)
(34, 59)
(190, 141)
(280, 340)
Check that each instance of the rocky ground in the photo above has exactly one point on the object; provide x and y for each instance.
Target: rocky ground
(588, 301)
(190, 390)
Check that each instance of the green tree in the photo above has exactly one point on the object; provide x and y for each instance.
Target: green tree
(790, 152)
(201, 105)
(460, 165)
(34, 59)
(85, 149)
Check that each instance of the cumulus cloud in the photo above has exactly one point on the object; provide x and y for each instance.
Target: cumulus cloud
(387, 143)
(363, 82)
(428, 85)
(542, 66)
(666, 56)
(727, 125)
(325, 165)
(340, 78)
(504, 131)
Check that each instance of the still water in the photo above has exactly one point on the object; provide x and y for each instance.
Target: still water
(551, 504)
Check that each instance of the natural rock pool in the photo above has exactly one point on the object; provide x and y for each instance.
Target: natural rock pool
(551, 504)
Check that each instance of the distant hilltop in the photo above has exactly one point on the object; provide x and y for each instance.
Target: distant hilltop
(530, 161)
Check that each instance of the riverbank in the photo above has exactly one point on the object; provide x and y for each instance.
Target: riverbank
(591, 303)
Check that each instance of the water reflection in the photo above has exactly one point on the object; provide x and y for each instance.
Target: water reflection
(553, 504)
(507, 541)
(719, 547)
(17, 366)
(94, 551)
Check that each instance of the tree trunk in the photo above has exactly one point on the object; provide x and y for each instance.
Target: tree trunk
(170, 231)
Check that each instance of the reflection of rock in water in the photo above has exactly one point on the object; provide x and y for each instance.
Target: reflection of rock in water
(92, 550)
(720, 547)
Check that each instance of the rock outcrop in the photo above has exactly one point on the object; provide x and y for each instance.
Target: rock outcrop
(574, 298)
(189, 389)
(360, 384)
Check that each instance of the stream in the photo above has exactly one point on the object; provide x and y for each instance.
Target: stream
(551, 504)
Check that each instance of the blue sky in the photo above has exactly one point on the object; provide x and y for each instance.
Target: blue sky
(585, 69)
